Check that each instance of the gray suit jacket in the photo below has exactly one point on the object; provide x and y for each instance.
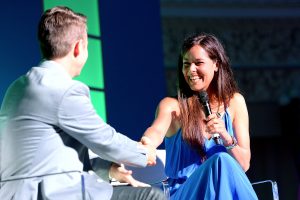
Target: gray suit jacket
(47, 122)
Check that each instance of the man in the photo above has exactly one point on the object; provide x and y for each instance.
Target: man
(48, 123)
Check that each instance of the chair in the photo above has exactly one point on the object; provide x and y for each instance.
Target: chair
(154, 175)
(263, 190)
(82, 186)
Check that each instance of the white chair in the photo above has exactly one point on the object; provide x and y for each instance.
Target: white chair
(154, 175)
(150, 174)
(268, 188)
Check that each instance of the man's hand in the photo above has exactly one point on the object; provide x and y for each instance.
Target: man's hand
(123, 175)
(151, 156)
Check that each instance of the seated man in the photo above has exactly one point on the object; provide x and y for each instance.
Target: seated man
(47, 124)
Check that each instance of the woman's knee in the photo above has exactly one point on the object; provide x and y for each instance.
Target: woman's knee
(222, 156)
(223, 159)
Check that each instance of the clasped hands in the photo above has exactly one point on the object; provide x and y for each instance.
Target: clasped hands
(121, 174)
(151, 154)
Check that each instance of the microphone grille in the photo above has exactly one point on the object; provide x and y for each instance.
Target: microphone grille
(203, 97)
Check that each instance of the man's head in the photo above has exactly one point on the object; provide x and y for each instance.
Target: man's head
(62, 34)
(58, 29)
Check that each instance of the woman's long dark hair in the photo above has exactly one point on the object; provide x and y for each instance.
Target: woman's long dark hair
(221, 89)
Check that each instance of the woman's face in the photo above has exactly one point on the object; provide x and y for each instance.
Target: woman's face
(198, 69)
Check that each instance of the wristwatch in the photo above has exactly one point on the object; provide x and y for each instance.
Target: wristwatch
(234, 143)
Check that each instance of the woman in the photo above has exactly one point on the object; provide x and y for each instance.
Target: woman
(197, 167)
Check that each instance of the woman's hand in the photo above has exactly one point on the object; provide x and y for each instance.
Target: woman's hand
(123, 175)
(215, 124)
(240, 122)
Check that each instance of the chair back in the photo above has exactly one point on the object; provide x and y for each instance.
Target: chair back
(151, 174)
(266, 189)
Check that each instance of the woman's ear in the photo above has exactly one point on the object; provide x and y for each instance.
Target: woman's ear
(216, 66)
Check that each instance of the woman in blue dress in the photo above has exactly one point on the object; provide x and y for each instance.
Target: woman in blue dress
(198, 167)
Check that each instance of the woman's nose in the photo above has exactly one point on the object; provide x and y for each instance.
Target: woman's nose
(193, 67)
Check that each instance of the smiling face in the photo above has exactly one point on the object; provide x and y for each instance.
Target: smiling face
(198, 69)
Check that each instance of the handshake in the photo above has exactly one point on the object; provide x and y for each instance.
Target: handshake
(151, 150)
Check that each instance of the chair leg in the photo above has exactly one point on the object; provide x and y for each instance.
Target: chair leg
(39, 194)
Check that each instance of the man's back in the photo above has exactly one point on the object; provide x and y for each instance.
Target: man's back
(31, 143)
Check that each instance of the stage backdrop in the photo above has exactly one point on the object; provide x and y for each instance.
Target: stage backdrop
(125, 67)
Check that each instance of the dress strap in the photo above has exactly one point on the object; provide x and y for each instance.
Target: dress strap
(228, 122)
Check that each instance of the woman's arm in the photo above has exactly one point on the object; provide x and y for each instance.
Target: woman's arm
(240, 121)
(163, 124)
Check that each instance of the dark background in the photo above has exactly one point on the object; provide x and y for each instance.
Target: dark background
(140, 45)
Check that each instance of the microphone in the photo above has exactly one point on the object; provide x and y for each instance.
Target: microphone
(204, 101)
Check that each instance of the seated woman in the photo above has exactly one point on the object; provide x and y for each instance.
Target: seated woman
(197, 166)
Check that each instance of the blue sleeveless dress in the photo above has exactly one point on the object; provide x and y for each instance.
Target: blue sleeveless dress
(219, 177)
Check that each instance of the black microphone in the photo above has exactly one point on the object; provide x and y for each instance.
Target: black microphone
(204, 101)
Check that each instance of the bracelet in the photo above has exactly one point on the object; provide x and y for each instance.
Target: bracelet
(234, 143)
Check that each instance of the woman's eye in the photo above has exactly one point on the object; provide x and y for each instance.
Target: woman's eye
(198, 63)
(186, 65)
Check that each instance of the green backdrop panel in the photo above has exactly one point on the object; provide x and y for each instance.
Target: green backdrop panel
(98, 100)
(92, 73)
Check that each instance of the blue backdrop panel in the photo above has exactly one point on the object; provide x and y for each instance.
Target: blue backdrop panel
(19, 46)
(133, 63)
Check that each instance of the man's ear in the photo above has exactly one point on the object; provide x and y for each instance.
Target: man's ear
(76, 49)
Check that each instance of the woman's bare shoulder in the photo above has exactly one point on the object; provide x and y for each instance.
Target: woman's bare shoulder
(237, 99)
(169, 104)
(237, 105)
(170, 107)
